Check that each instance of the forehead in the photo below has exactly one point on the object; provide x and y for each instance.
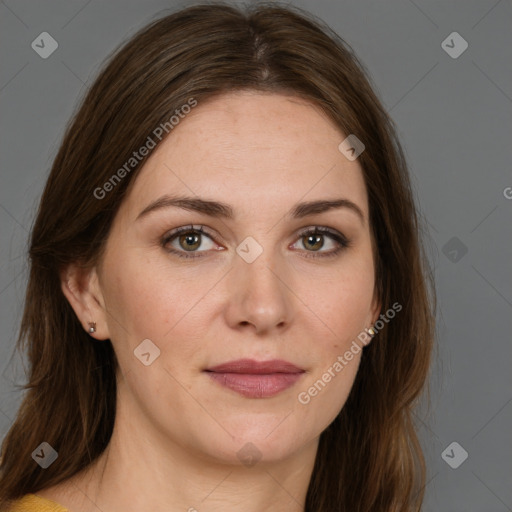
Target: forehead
(251, 148)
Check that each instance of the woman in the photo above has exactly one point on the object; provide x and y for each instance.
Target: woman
(229, 304)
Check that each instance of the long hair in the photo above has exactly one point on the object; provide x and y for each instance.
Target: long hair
(369, 458)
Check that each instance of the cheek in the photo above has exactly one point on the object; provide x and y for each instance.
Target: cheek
(142, 305)
(150, 299)
(342, 303)
(341, 306)
(147, 296)
(336, 359)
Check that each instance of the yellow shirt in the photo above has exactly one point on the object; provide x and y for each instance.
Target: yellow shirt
(33, 503)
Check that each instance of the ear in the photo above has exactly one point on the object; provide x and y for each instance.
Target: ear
(375, 308)
(82, 289)
(374, 313)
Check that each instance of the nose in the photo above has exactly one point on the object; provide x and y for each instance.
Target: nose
(259, 298)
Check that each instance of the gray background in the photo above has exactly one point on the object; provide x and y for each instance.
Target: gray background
(454, 117)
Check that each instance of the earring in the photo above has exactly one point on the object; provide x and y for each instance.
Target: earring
(92, 327)
(371, 331)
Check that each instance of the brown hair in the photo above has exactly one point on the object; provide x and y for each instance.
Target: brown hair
(369, 458)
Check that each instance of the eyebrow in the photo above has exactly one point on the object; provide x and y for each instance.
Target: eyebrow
(223, 210)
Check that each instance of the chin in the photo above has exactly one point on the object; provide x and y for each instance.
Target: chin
(264, 438)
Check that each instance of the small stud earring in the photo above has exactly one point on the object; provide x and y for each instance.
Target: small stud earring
(371, 331)
(92, 327)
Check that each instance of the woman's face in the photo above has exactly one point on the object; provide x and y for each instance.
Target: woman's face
(252, 286)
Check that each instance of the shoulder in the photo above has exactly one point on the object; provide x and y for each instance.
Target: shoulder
(34, 503)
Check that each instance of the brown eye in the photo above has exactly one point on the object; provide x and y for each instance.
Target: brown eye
(187, 239)
(314, 239)
(189, 242)
(313, 242)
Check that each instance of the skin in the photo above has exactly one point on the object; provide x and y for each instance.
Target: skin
(177, 432)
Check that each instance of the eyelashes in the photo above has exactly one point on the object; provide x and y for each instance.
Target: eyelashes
(184, 232)
(194, 236)
(321, 232)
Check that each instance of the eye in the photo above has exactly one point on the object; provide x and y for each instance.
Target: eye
(313, 239)
(187, 239)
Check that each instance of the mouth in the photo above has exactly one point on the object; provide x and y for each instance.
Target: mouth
(256, 379)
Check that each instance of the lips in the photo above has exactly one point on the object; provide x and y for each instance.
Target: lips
(250, 366)
(256, 379)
